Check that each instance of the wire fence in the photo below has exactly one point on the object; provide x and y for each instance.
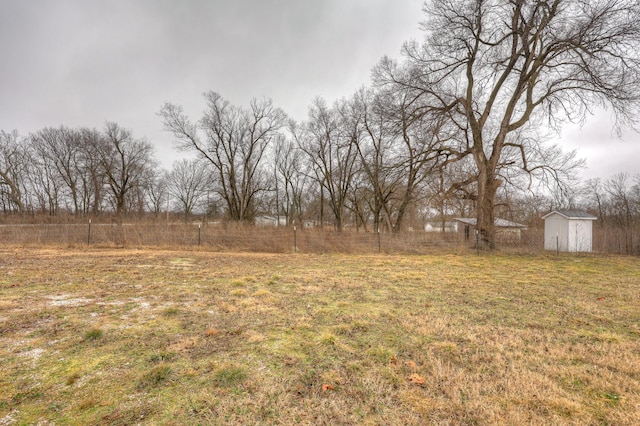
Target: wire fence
(229, 237)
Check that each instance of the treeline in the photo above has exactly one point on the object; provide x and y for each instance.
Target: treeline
(75, 171)
(369, 162)
(616, 203)
(353, 163)
(457, 128)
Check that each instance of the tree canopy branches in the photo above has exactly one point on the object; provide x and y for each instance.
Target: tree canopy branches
(455, 126)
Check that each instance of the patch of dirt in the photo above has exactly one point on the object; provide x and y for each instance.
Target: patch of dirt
(63, 300)
(9, 419)
(33, 353)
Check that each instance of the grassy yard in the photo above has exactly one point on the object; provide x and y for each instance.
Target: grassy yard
(91, 336)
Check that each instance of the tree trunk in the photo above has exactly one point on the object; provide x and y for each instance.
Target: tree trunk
(321, 206)
(488, 186)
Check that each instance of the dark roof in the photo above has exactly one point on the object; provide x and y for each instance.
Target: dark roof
(499, 223)
(572, 214)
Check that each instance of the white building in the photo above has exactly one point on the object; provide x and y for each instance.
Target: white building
(568, 230)
(506, 230)
(437, 227)
(265, 220)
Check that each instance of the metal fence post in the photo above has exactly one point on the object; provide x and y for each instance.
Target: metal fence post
(199, 234)
(295, 240)
(379, 242)
(89, 233)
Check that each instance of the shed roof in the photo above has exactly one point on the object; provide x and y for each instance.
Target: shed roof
(572, 214)
(499, 223)
(437, 223)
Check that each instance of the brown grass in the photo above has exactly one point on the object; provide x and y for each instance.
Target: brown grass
(103, 336)
(244, 238)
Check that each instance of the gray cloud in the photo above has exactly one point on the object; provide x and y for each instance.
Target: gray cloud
(76, 63)
(80, 63)
(605, 152)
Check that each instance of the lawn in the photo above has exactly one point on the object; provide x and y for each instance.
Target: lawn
(103, 336)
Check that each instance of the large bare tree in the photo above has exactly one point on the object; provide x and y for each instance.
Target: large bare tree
(329, 140)
(60, 152)
(126, 162)
(188, 181)
(290, 179)
(92, 174)
(46, 186)
(233, 140)
(495, 68)
(417, 147)
(14, 164)
(157, 192)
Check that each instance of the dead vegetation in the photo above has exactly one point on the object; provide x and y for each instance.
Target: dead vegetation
(225, 237)
(103, 336)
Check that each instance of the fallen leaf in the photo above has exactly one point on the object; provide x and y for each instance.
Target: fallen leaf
(416, 379)
(327, 387)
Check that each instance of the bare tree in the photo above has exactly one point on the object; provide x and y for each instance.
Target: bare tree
(493, 66)
(60, 151)
(233, 140)
(408, 147)
(595, 194)
(291, 179)
(616, 201)
(91, 171)
(329, 141)
(376, 151)
(359, 200)
(157, 192)
(125, 161)
(451, 191)
(46, 185)
(189, 181)
(14, 163)
(621, 201)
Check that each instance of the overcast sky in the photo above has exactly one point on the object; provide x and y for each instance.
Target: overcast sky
(81, 63)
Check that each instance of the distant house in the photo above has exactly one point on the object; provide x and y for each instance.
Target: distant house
(506, 231)
(271, 220)
(437, 227)
(568, 230)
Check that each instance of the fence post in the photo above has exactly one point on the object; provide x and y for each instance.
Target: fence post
(89, 233)
(199, 234)
(557, 243)
(295, 240)
(379, 242)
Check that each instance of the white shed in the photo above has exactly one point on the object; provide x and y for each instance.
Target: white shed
(568, 230)
(437, 227)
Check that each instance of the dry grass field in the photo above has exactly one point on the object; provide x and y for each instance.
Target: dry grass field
(119, 337)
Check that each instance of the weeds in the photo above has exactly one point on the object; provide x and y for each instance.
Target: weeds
(199, 338)
(171, 311)
(154, 376)
(72, 378)
(93, 334)
(229, 375)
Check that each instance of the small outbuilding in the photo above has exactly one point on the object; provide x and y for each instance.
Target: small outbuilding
(441, 227)
(506, 230)
(265, 220)
(568, 231)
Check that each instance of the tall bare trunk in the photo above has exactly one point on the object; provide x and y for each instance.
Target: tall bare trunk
(488, 186)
